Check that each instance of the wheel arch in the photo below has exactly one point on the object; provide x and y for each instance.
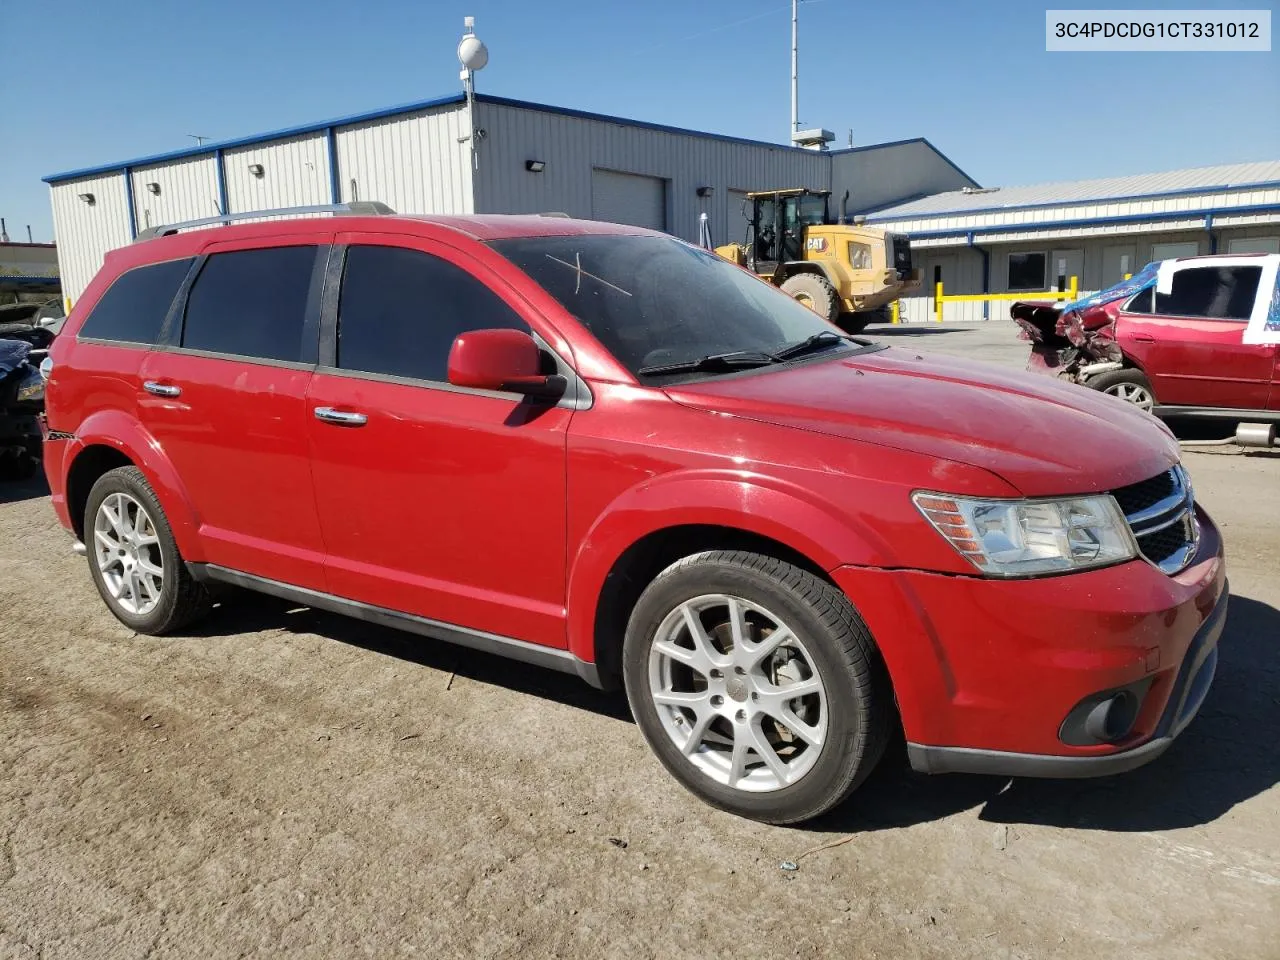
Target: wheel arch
(654, 525)
(113, 439)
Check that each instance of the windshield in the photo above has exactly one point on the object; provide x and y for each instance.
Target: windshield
(813, 210)
(657, 301)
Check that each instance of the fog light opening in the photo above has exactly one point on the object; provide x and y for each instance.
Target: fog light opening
(1113, 718)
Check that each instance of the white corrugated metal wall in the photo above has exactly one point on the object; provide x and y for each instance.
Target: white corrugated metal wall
(295, 173)
(85, 232)
(572, 146)
(188, 191)
(415, 162)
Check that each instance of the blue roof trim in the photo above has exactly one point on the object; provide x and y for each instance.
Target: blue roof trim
(963, 234)
(208, 149)
(1183, 192)
(904, 143)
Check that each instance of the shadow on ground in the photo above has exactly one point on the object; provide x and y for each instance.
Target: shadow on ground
(14, 491)
(910, 330)
(242, 612)
(1225, 757)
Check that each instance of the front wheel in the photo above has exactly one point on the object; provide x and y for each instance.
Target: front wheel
(756, 684)
(815, 292)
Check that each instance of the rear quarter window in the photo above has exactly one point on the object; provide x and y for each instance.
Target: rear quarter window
(134, 307)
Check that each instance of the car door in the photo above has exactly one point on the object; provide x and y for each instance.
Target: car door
(1191, 344)
(225, 399)
(443, 502)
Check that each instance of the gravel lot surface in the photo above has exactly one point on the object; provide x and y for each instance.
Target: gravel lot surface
(288, 783)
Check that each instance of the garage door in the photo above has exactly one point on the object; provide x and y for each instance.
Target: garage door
(629, 198)
(737, 219)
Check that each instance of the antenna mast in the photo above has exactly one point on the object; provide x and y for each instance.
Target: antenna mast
(795, 68)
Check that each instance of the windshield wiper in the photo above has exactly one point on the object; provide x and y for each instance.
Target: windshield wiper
(819, 341)
(737, 360)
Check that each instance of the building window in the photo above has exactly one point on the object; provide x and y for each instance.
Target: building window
(1171, 251)
(1026, 271)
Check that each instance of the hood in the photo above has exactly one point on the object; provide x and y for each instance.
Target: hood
(1044, 437)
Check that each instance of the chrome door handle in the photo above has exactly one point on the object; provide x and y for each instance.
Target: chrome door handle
(162, 389)
(343, 418)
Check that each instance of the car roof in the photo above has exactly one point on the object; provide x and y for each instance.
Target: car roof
(480, 228)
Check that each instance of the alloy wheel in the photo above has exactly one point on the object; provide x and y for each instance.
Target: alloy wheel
(738, 693)
(126, 547)
(1134, 393)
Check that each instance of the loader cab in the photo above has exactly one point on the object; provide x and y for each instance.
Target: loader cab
(778, 220)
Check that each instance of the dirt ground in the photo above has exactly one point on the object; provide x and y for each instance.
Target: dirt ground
(288, 783)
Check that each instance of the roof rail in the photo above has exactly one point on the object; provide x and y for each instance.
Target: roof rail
(357, 208)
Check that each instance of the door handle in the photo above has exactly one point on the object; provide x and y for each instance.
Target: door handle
(162, 389)
(1144, 338)
(344, 418)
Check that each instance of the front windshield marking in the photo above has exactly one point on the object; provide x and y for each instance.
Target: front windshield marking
(658, 302)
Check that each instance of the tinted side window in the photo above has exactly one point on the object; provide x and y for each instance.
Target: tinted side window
(400, 311)
(251, 303)
(134, 307)
(1215, 293)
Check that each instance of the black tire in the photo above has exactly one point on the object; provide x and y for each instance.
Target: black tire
(182, 598)
(1126, 384)
(859, 698)
(815, 292)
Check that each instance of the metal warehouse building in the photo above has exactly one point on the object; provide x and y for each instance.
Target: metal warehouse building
(523, 158)
(997, 240)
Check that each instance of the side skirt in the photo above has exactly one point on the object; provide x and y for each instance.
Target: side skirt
(536, 654)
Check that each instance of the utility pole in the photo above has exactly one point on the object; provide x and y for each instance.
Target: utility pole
(795, 68)
(29, 240)
(198, 139)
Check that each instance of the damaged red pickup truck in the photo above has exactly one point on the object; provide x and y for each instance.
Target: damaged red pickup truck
(1181, 352)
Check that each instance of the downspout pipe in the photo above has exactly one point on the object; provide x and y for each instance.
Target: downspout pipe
(844, 203)
(986, 274)
(1208, 226)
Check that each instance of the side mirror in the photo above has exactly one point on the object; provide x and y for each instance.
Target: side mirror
(506, 360)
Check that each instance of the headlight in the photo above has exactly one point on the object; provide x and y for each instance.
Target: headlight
(1017, 538)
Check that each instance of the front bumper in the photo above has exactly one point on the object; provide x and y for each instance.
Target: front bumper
(1195, 676)
(986, 672)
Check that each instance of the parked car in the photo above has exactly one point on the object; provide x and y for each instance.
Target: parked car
(21, 403)
(1180, 352)
(602, 450)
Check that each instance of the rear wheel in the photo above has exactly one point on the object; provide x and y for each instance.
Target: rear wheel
(133, 559)
(756, 684)
(1130, 385)
(815, 292)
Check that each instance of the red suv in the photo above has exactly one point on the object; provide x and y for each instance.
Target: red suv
(602, 450)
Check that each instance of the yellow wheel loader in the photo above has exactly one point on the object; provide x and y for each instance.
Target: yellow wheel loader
(847, 273)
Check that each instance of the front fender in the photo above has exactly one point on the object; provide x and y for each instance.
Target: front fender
(738, 500)
(122, 432)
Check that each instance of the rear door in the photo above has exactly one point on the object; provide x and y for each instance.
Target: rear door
(440, 501)
(226, 399)
(1191, 345)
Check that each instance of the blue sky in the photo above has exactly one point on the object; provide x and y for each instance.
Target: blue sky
(107, 80)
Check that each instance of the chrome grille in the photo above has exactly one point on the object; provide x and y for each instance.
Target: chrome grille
(1161, 514)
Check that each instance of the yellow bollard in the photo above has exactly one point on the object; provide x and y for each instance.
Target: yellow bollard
(894, 313)
(1074, 289)
(1128, 276)
(937, 302)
